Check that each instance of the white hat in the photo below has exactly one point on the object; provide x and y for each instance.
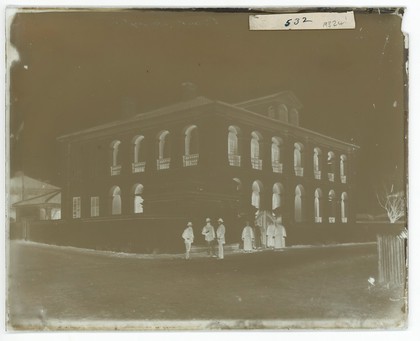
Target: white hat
(208, 220)
(189, 224)
(220, 220)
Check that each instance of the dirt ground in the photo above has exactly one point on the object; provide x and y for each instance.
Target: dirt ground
(52, 287)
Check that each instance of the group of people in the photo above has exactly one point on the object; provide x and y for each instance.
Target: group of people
(253, 237)
(273, 237)
(210, 236)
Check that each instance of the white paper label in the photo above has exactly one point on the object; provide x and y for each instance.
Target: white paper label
(303, 21)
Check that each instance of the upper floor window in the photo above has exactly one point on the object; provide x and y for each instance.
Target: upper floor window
(191, 146)
(256, 190)
(233, 146)
(276, 155)
(138, 199)
(255, 150)
(164, 159)
(294, 117)
(115, 161)
(343, 169)
(115, 200)
(317, 163)
(283, 113)
(271, 112)
(139, 163)
(317, 205)
(298, 159)
(331, 165)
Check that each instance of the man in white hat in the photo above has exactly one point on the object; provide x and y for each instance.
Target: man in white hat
(188, 236)
(279, 234)
(220, 234)
(209, 235)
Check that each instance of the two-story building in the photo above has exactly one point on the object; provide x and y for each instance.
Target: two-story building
(205, 158)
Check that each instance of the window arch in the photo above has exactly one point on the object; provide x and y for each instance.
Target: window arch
(115, 160)
(298, 159)
(257, 188)
(317, 163)
(343, 169)
(299, 204)
(164, 158)
(283, 113)
(191, 146)
(332, 206)
(138, 198)
(115, 200)
(344, 207)
(276, 154)
(138, 158)
(318, 205)
(233, 146)
(331, 165)
(278, 191)
(256, 160)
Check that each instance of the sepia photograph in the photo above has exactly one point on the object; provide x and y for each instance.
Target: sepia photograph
(206, 169)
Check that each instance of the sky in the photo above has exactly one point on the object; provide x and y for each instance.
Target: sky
(77, 69)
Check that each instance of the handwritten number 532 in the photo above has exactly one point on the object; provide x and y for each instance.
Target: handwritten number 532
(295, 21)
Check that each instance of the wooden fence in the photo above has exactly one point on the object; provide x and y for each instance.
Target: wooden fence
(392, 257)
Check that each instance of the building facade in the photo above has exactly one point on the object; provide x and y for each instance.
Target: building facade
(204, 158)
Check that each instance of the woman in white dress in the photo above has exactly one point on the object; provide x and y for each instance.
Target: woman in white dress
(279, 235)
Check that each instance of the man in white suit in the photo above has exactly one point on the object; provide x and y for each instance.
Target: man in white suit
(220, 234)
(188, 236)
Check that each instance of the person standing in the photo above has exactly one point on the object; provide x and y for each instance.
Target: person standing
(247, 237)
(279, 235)
(209, 235)
(188, 236)
(220, 234)
(270, 235)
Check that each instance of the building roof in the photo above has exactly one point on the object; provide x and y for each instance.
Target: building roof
(20, 181)
(243, 107)
(53, 198)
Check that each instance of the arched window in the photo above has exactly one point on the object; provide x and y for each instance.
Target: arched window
(191, 146)
(318, 206)
(278, 191)
(138, 158)
(115, 200)
(283, 113)
(332, 206)
(298, 157)
(256, 190)
(115, 161)
(233, 146)
(331, 165)
(294, 117)
(138, 199)
(343, 169)
(344, 207)
(256, 161)
(164, 158)
(299, 204)
(276, 154)
(317, 163)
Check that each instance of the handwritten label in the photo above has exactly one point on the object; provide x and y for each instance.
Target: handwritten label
(303, 21)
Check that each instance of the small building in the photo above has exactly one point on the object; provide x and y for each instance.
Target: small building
(205, 158)
(45, 196)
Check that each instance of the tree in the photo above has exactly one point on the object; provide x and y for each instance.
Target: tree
(393, 203)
